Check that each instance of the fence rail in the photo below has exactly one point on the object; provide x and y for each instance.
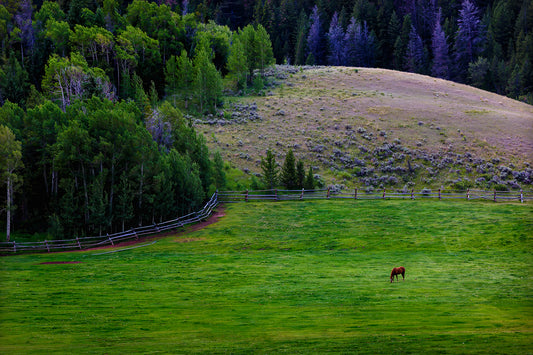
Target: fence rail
(282, 195)
(110, 239)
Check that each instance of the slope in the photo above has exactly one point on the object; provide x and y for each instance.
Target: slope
(379, 127)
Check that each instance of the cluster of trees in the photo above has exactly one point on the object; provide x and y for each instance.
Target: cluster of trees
(140, 50)
(486, 43)
(91, 131)
(292, 174)
(101, 167)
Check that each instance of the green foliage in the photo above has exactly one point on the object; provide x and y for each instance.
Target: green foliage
(207, 80)
(258, 48)
(14, 84)
(237, 65)
(300, 174)
(309, 183)
(288, 176)
(270, 170)
(10, 162)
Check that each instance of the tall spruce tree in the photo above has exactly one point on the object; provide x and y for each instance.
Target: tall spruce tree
(314, 39)
(335, 41)
(441, 58)
(300, 174)
(270, 170)
(468, 39)
(289, 179)
(415, 56)
(301, 39)
(309, 183)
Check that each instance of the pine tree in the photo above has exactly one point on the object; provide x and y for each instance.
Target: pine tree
(468, 39)
(335, 41)
(441, 59)
(289, 178)
(300, 174)
(270, 170)
(415, 57)
(309, 183)
(359, 45)
(314, 38)
(300, 49)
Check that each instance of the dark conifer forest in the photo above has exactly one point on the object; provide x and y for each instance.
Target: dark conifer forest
(97, 96)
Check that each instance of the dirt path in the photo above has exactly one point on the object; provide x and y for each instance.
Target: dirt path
(218, 213)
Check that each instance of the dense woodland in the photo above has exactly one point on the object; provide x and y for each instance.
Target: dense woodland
(97, 95)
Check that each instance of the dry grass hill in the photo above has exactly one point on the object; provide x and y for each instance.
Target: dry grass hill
(376, 127)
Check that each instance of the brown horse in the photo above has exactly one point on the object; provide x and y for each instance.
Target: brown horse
(397, 271)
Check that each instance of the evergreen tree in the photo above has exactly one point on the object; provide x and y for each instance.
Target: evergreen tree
(300, 174)
(415, 56)
(441, 59)
(335, 41)
(270, 170)
(359, 45)
(288, 177)
(301, 39)
(468, 39)
(314, 39)
(309, 183)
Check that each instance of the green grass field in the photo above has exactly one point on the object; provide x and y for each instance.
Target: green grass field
(293, 277)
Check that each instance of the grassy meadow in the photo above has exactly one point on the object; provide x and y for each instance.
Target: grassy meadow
(293, 277)
(336, 109)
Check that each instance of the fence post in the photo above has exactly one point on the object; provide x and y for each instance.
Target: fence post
(412, 194)
(14, 246)
(78, 242)
(494, 195)
(302, 195)
(384, 192)
(439, 195)
(47, 247)
(246, 196)
(111, 240)
(276, 194)
(468, 194)
(355, 194)
(327, 196)
(521, 196)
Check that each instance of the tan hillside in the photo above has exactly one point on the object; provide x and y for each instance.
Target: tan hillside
(329, 116)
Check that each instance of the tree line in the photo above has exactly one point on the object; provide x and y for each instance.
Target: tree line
(140, 51)
(485, 43)
(101, 167)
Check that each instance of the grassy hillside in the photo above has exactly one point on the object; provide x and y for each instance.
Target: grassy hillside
(349, 123)
(294, 277)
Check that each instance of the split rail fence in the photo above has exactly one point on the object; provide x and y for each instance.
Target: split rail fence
(110, 239)
(282, 195)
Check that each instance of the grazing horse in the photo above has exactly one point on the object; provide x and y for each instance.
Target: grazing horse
(397, 271)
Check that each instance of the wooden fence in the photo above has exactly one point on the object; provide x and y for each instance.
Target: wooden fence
(110, 239)
(257, 195)
(282, 195)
